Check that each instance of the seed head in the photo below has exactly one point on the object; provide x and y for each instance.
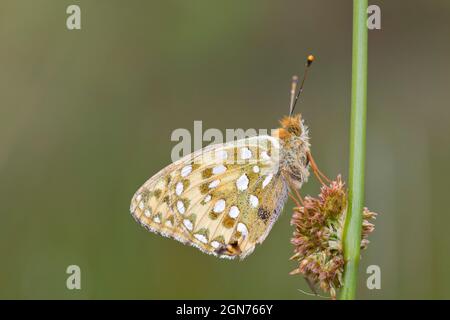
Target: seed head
(317, 237)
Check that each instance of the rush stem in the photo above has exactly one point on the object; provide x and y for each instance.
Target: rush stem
(353, 222)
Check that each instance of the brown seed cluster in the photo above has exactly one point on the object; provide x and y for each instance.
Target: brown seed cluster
(317, 237)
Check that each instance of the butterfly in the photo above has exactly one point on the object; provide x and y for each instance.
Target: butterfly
(224, 199)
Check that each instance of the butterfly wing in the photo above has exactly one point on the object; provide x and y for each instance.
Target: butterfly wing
(223, 199)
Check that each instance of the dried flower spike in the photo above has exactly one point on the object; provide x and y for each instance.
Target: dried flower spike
(317, 237)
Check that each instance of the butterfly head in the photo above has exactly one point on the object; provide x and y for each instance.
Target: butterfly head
(291, 127)
(292, 130)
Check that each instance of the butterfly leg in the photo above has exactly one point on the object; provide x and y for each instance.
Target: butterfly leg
(319, 175)
(301, 201)
(297, 198)
(294, 199)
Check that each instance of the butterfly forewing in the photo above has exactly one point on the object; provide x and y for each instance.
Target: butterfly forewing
(222, 199)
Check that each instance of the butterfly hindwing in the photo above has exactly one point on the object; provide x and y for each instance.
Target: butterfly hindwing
(222, 199)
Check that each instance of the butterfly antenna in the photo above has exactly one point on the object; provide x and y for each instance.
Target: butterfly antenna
(308, 63)
(293, 90)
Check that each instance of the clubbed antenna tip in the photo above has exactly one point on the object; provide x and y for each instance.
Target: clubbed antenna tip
(309, 61)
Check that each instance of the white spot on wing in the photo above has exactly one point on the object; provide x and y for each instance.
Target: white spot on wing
(157, 219)
(254, 201)
(180, 207)
(234, 212)
(219, 206)
(141, 205)
(201, 238)
(242, 228)
(255, 169)
(214, 184)
(186, 171)
(267, 180)
(215, 244)
(246, 153)
(242, 182)
(188, 224)
(207, 198)
(139, 197)
(221, 154)
(219, 169)
(147, 213)
(179, 188)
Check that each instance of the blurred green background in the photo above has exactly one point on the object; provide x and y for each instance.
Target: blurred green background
(86, 117)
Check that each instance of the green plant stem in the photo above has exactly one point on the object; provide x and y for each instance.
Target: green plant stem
(353, 222)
